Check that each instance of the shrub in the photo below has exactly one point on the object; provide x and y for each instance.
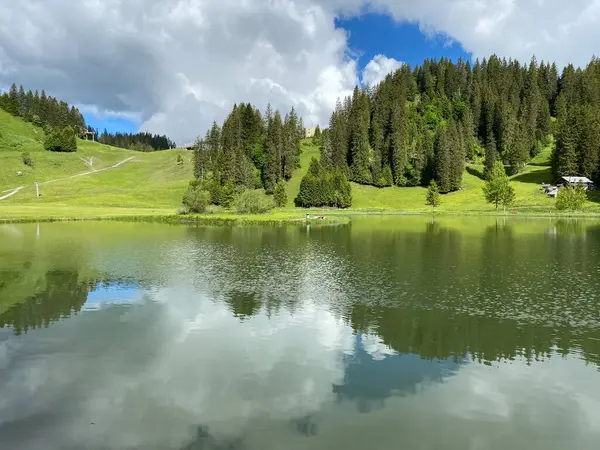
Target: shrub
(27, 159)
(280, 196)
(35, 119)
(571, 199)
(253, 202)
(179, 160)
(196, 200)
(60, 140)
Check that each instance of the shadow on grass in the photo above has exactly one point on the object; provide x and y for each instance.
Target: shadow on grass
(476, 172)
(535, 176)
(593, 196)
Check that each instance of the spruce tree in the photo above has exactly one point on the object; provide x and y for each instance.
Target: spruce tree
(12, 106)
(280, 195)
(433, 197)
(443, 170)
(316, 139)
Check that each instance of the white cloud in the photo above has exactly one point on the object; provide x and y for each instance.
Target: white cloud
(179, 64)
(553, 30)
(171, 363)
(378, 68)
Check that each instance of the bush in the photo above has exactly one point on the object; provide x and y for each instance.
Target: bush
(571, 199)
(60, 140)
(253, 202)
(280, 196)
(196, 200)
(27, 159)
(35, 119)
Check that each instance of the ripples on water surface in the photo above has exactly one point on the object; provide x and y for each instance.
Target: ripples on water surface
(387, 333)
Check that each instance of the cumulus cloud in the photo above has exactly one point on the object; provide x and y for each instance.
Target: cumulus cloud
(180, 64)
(378, 68)
(177, 65)
(555, 30)
(170, 363)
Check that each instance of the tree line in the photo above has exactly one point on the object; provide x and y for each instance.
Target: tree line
(425, 123)
(249, 151)
(144, 142)
(41, 109)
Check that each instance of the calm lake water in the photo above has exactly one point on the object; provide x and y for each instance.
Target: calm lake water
(386, 333)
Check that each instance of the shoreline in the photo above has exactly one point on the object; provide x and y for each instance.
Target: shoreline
(279, 217)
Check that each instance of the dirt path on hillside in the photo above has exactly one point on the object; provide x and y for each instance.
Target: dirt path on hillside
(12, 192)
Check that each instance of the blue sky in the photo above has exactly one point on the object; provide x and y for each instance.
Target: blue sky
(369, 35)
(374, 34)
(112, 124)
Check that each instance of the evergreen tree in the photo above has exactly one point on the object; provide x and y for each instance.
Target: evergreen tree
(280, 195)
(360, 150)
(272, 169)
(316, 139)
(433, 197)
(12, 105)
(443, 170)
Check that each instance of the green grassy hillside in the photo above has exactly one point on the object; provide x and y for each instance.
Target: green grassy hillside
(529, 197)
(153, 181)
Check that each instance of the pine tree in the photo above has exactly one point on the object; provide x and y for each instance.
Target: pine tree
(360, 149)
(22, 102)
(399, 144)
(443, 170)
(564, 159)
(272, 168)
(433, 197)
(280, 195)
(13, 106)
(290, 159)
(316, 139)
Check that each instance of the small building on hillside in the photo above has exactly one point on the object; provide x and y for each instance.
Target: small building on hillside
(577, 181)
(309, 132)
(88, 135)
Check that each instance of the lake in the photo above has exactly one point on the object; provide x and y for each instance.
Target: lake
(384, 333)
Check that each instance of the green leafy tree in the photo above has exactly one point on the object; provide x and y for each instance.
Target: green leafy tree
(571, 198)
(497, 188)
(280, 195)
(433, 197)
(196, 200)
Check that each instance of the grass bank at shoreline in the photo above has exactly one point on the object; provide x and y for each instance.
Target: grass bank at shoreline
(63, 213)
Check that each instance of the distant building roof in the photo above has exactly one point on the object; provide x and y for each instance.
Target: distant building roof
(583, 180)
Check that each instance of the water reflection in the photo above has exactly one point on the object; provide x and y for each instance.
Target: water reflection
(63, 294)
(252, 338)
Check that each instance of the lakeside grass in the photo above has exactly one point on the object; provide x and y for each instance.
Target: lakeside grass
(151, 185)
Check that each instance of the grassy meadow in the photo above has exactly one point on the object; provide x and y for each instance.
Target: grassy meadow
(152, 184)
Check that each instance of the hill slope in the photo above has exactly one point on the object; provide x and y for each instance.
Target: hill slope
(469, 199)
(153, 183)
(143, 180)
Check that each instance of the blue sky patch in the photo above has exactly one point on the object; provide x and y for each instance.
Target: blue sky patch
(112, 124)
(374, 34)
